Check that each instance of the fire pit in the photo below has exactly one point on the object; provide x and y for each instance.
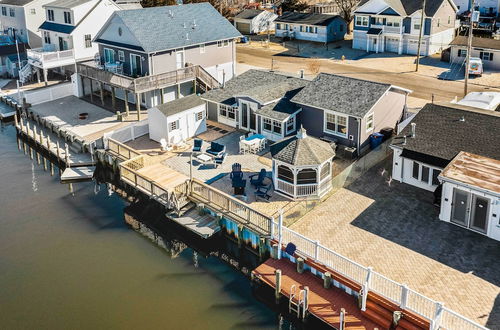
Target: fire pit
(83, 115)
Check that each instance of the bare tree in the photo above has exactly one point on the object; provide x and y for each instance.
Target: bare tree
(314, 66)
(346, 10)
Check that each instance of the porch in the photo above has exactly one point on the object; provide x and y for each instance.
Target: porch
(47, 58)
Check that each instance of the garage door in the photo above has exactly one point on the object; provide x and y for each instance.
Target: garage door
(243, 27)
(391, 45)
(413, 47)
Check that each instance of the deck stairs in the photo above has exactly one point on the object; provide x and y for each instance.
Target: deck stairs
(298, 307)
(25, 73)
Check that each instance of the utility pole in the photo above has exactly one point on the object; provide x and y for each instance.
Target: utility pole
(469, 49)
(421, 34)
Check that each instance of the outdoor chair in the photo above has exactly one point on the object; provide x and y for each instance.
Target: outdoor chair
(263, 192)
(216, 149)
(219, 160)
(259, 181)
(197, 145)
(236, 173)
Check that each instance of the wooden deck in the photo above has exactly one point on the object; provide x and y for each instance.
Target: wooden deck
(202, 225)
(325, 304)
(163, 175)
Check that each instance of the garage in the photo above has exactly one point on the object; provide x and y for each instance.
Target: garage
(392, 45)
(243, 27)
(413, 47)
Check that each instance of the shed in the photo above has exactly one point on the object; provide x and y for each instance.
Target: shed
(254, 21)
(302, 166)
(487, 49)
(177, 120)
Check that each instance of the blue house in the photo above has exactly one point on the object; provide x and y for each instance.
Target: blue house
(310, 26)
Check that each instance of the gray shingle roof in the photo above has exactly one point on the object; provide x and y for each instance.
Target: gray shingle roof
(66, 3)
(162, 28)
(15, 2)
(259, 85)
(282, 109)
(477, 42)
(408, 7)
(179, 105)
(441, 135)
(307, 18)
(302, 151)
(249, 13)
(342, 94)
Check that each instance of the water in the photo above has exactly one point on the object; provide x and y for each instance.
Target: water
(70, 262)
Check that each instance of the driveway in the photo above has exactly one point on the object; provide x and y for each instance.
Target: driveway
(394, 228)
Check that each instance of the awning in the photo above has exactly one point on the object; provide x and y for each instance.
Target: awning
(61, 28)
(374, 31)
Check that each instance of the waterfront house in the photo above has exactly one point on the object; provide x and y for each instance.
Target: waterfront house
(177, 120)
(486, 7)
(394, 26)
(9, 60)
(347, 110)
(254, 21)
(487, 49)
(311, 26)
(257, 101)
(158, 54)
(67, 34)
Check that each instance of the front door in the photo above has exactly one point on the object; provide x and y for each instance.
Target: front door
(61, 43)
(470, 210)
(253, 120)
(479, 216)
(135, 65)
(244, 116)
(460, 207)
(179, 57)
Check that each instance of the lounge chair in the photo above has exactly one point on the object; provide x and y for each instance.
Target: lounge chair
(197, 145)
(259, 181)
(219, 160)
(216, 149)
(263, 192)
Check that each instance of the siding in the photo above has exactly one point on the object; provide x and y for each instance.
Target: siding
(126, 63)
(212, 111)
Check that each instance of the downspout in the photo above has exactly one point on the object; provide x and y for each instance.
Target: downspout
(359, 135)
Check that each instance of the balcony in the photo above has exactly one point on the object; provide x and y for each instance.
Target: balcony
(44, 58)
(388, 29)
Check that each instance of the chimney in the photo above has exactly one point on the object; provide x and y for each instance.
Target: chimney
(301, 73)
(413, 127)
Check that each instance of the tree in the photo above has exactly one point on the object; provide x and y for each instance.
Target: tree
(346, 10)
(294, 5)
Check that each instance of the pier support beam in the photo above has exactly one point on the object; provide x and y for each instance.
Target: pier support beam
(113, 98)
(91, 91)
(178, 91)
(45, 79)
(138, 105)
(240, 236)
(83, 85)
(126, 103)
(277, 290)
(194, 86)
(101, 89)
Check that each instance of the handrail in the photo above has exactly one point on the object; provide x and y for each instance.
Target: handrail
(121, 149)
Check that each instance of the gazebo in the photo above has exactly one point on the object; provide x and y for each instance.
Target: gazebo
(302, 166)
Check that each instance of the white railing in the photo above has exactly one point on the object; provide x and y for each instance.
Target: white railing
(388, 29)
(39, 56)
(48, 94)
(296, 191)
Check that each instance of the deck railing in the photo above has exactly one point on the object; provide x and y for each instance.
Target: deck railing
(121, 149)
(39, 56)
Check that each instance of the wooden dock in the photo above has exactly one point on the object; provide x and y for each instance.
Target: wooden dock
(77, 173)
(325, 304)
(6, 111)
(202, 225)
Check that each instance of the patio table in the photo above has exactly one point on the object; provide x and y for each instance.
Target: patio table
(204, 158)
(255, 136)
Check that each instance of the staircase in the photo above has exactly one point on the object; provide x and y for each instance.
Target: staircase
(208, 82)
(25, 73)
(299, 307)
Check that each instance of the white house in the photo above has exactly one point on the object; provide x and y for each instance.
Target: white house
(471, 194)
(67, 33)
(311, 26)
(254, 21)
(177, 120)
(395, 26)
(486, 7)
(487, 49)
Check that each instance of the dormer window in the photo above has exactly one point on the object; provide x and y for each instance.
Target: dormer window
(67, 17)
(50, 15)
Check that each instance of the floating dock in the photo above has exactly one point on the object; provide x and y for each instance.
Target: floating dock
(204, 225)
(6, 111)
(77, 174)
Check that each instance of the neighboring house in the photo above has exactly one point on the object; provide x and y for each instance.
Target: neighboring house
(67, 34)
(154, 55)
(257, 101)
(312, 27)
(436, 135)
(348, 110)
(254, 21)
(9, 61)
(482, 100)
(471, 194)
(394, 26)
(177, 120)
(325, 8)
(128, 4)
(20, 20)
(485, 7)
(487, 49)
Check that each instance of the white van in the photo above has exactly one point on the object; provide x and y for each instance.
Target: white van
(476, 66)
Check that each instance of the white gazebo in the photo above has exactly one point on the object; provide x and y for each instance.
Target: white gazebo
(302, 166)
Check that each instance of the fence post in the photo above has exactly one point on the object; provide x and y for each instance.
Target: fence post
(366, 288)
(280, 232)
(404, 296)
(316, 250)
(436, 320)
(271, 232)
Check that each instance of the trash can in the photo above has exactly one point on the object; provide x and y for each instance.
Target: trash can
(376, 139)
(244, 40)
(387, 132)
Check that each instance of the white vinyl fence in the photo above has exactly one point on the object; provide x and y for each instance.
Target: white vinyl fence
(48, 94)
(128, 133)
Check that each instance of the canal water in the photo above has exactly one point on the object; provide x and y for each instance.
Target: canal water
(70, 262)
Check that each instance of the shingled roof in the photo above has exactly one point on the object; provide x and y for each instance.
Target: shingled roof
(443, 130)
(478, 42)
(249, 13)
(170, 27)
(307, 18)
(341, 94)
(180, 105)
(302, 150)
(408, 7)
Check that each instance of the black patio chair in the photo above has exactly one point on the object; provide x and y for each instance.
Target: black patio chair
(259, 181)
(197, 145)
(216, 149)
(236, 173)
(263, 192)
(219, 160)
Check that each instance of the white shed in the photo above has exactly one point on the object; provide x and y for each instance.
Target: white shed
(254, 21)
(471, 194)
(178, 120)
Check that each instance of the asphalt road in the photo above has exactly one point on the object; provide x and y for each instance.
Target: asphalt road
(423, 87)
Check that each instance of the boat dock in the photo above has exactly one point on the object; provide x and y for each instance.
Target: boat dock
(202, 224)
(6, 111)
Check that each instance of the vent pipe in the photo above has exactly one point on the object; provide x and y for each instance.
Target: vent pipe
(413, 128)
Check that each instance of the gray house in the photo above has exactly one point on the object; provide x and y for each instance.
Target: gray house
(347, 110)
(310, 26)
(159, 54)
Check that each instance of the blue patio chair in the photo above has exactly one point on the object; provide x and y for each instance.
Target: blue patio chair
(290, 249)
(259, 181)
(197, 145)
(263, 192)
(216, 149)
(219, 160)
(236, 173)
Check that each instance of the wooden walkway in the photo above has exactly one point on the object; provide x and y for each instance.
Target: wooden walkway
(325, 304)
(163, 175)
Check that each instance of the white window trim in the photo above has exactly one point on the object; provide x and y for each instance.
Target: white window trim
(326, 130)
(293, 126)
(228, 109)
(105, 54)
(372, 115)
(362, 20)
(420, 167)
(174, 122)
(121, 56)
(220, 44)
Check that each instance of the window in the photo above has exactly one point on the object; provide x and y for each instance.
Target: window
(120, 31)
(276, 127)
(416, 170)
(219, 43)
(341, 28)
(202, 49)
(172, 126)
(4, 11)
(67, 17)
(335, 124)
(362, 20)
(449, 20)
(199, 116)
(278, 26)
(226, 43)
(12, 12)
(392, 22)
(306, 176)
(435, 174)
(88, 41)
(290, 125)
(50, 15)
(272, 126)
(379, 21)
(267, 124)
(109, 55)
(416, 26)
(486, 56)
(462, 53)
(425, 174)
(285, 174)
(121, 56)
(227, 111)
(33, 11)
(438, 22)
(46, 37)
(301, 28)
(369, 122)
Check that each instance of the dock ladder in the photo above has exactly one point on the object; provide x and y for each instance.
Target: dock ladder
(299, 307)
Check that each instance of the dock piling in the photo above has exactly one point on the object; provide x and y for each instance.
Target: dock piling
(342, 319)
(327, 280)
(277, 291)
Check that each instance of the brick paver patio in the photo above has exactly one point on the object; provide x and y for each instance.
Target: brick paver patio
(395, 229)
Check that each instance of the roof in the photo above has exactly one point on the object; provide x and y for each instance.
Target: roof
(281, 109)
(15, 2)
(262, 86)
(477, 42)
(67, 3)
(408, 7)
(307, 18)
(169, 27)
(342, 94)
(302, 150)
(474, 170)
(61, 28)
(441, 134)
(482, 100)
(249, 13)
(180, 105)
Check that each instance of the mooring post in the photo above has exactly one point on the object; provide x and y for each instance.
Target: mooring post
(277, 291)
(306, 303)
(300, 265)
(57, 151)
(66, 156)
(342, 319)
(262, 248)
(280, 232)
(327, 280)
